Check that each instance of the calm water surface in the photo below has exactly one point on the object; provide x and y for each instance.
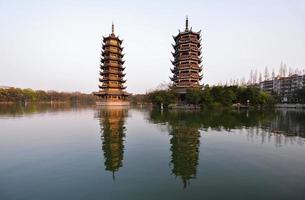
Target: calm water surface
(90, 153)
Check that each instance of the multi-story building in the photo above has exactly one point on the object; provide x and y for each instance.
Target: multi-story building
(187, 60)
(112, 73)
(284, 87)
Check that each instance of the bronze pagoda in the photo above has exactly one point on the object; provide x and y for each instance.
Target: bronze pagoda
(187, 60)
(112, 73)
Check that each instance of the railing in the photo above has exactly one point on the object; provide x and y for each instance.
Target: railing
(188, 57)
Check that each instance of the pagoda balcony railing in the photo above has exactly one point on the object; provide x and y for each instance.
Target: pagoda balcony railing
(185, 79)
(188, 49)
(186, 40)
(118, 53)
(186, 44)
(187, 76)
(186, 57)
(112, 50)
(193, 52)
(112, 65)
(112, 58)
(105, 86)
(188, 65)
(190, 84)
(109, 46)
(118, 79)
(186, 69)
(106, 78)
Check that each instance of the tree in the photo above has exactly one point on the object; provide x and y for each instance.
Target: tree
(266, 76)
(284, 70)
(273, 74)
(193, 96)
(260, 79)
(255, 77)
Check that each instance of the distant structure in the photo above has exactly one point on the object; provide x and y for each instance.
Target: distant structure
(284, 87)
(112, 73)
(187, 60)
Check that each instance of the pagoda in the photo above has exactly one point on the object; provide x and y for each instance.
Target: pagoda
(112, 73)
(187, 60)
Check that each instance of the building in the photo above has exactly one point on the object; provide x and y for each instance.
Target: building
(187, 60)
(112, 73)
(284, 87)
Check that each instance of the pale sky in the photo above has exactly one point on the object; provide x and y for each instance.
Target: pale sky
(56, 44)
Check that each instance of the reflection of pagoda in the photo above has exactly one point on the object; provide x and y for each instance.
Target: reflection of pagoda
(185, 141)
(187, 60)
(185, 152)
(112, 134)
(112, 73)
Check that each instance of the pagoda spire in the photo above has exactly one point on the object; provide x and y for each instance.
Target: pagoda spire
(112, 28)
(187, 24)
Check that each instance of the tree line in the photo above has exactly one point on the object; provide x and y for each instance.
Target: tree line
(212, 96)
(28, 95)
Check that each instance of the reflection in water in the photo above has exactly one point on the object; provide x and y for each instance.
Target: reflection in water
(18, 110)
(285, 126)
(185, 152)
(112, 135)
(184, 143)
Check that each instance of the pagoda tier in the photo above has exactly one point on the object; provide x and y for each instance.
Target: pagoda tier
(187, 59)
(112, 71)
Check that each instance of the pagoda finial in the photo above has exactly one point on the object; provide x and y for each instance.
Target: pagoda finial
(112, 28)
(187, 24)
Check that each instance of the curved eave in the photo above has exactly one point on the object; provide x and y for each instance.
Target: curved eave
(120, 74)
(115, 87)
(113, 37)
(174, 70)
(106, 66)
(106, 79)
(187, 32)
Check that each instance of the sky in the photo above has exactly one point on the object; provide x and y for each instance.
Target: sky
(56, 45)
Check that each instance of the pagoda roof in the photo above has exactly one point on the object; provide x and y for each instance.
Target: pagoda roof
(190, 32)
(112, 36)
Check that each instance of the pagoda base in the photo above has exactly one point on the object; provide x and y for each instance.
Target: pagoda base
(112, 103)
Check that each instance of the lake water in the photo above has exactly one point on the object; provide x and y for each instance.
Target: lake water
(96, 153)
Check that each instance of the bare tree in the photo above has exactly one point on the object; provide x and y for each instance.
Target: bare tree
(284, 70)
(266, 76)
(273, 74)
(260, 78)
(255, 77)
(243, 81)
(290, 71)
(251, 78)
(281, 74)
